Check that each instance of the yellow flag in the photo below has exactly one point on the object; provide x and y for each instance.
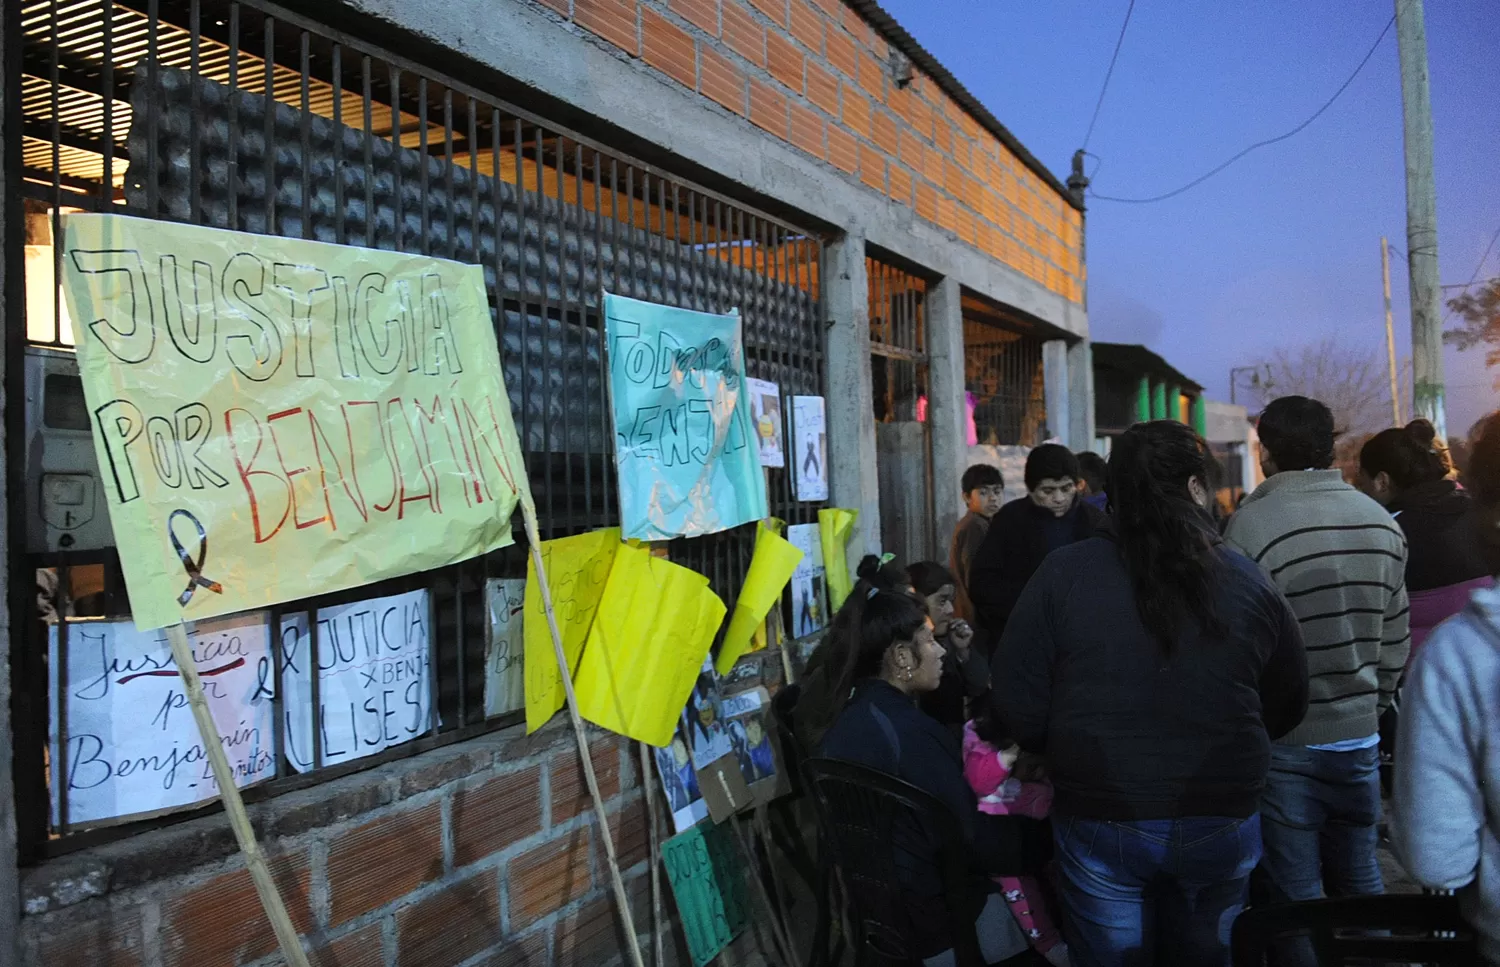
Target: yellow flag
(835, 525)
(653, 630)
(578, 570)
(770, 568)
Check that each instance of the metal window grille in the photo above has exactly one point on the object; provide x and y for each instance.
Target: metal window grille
(160, 108)
(1003, 372)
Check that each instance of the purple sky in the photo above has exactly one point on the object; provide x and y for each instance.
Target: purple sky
(1284, 246)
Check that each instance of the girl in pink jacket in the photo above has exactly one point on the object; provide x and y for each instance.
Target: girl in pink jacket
(1007, 784)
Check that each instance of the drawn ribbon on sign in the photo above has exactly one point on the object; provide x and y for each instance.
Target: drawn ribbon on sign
(193, 568)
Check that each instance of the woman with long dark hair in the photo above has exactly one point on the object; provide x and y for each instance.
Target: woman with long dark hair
(1405, 471)
(881, 657)
(966, 666)
(1152, 666)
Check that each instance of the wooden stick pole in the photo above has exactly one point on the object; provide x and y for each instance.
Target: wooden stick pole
(234, 806)
(655, 842)
(533, 537)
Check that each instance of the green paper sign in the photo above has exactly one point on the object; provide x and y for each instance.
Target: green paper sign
(708, 881)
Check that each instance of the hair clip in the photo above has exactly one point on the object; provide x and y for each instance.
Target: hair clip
(873, 592)
(886, 559)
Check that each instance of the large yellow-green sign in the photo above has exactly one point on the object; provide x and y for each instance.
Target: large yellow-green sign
(278, 418)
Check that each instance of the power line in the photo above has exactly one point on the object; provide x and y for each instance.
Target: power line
(1108, 74)
(1259, 144)
(1473, 278)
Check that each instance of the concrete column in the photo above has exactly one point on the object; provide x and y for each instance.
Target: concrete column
(1174, 402)
(1081, 395)
(946, 415)
(851, 416)
(1158, 400)
(1055, 387)
(1200, 415)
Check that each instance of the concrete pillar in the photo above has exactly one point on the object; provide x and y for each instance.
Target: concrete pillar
(1158, 400)
(854, 481)
(1055, 387)
(1174, 402)
(1200, 415)
(1080, 433)
(946, 415)
(1143, 400)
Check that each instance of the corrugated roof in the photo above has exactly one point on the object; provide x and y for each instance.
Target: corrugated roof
(898, 37)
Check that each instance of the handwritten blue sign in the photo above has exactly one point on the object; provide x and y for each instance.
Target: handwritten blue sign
(685, 448)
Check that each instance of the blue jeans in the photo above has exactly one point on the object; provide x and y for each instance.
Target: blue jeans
(1319, 813)
(1153, 891)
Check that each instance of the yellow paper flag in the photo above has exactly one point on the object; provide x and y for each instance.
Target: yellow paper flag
(578, 570)
(835, 525)
(653, 630)
(771, 567)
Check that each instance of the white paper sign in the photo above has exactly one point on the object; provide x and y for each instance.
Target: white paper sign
(765, 416)
(374, 680)
(810, 447)
(505, 650)
(132, 743)
(809, 581)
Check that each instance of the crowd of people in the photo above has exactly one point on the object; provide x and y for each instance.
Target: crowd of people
(1146, 715)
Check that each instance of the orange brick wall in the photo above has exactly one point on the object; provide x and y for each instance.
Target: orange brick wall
(487, 849)
(813, 74)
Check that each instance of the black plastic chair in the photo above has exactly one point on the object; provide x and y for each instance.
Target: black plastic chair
(863, 815)
(1390, 929)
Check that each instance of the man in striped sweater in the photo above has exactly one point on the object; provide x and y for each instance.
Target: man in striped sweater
(1341, 561)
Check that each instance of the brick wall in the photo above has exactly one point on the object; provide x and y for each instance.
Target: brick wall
(813, 73)
(483, 853)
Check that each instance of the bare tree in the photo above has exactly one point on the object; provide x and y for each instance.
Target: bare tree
(1479, 320)
(1354, 383)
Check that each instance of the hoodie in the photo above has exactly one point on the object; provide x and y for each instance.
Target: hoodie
(1446, 806)
(1444, 563)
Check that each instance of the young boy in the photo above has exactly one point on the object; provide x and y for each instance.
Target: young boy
(984, 492)
(1095, 474)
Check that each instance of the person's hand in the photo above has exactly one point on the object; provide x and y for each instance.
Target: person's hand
(961, 636)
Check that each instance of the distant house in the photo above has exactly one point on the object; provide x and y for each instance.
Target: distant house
(1132, 384)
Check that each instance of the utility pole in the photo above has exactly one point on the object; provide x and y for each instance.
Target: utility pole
(1421, 219)
(1390, 331)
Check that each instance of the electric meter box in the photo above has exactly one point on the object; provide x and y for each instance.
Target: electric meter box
(65, 503)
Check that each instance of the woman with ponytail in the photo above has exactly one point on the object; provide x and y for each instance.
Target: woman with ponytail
(1406, 472)
(1152, 666)
(881, 658)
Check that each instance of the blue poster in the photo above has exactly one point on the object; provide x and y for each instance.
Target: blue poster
(683, 439)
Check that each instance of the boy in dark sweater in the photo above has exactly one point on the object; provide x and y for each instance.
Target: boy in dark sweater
(1025, 531)
(984, 492)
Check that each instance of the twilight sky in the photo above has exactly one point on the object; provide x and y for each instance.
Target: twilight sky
(1284, 246)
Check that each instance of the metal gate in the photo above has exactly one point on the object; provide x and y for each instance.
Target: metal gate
(1004, 377)
(903, 438)
(251, 117)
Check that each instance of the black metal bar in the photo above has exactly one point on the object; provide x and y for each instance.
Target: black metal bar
(422, 163)
(107, 102)
(57, 239)
(234, 114)
(304, 126)
(546, 461)
(340, 233)
(448, 172)
(195, 137)
(583, 329)
(398, 196)
(153, 26)
(369, 140)
(315, 687)
(268, 29)
(562, 312)
(460, 637)
(60, 605)
(528, 457)
(434, 716)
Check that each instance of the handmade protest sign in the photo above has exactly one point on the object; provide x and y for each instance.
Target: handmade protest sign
(685, 447)
(374, 678)
(505, 650)
(810, 447)
(655, 625)
(765, 414)
(708, 880)
(810, 612)
(835, 527)
(130, 744)
(577, 570)
(277, 418)
(772, 564)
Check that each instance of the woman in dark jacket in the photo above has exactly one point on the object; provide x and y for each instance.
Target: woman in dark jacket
(966, 666)
(1403, 469)
(1152, 666)
(882, 645)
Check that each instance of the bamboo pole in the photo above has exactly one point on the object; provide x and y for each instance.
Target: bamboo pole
(234, 806)
(533, 537)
